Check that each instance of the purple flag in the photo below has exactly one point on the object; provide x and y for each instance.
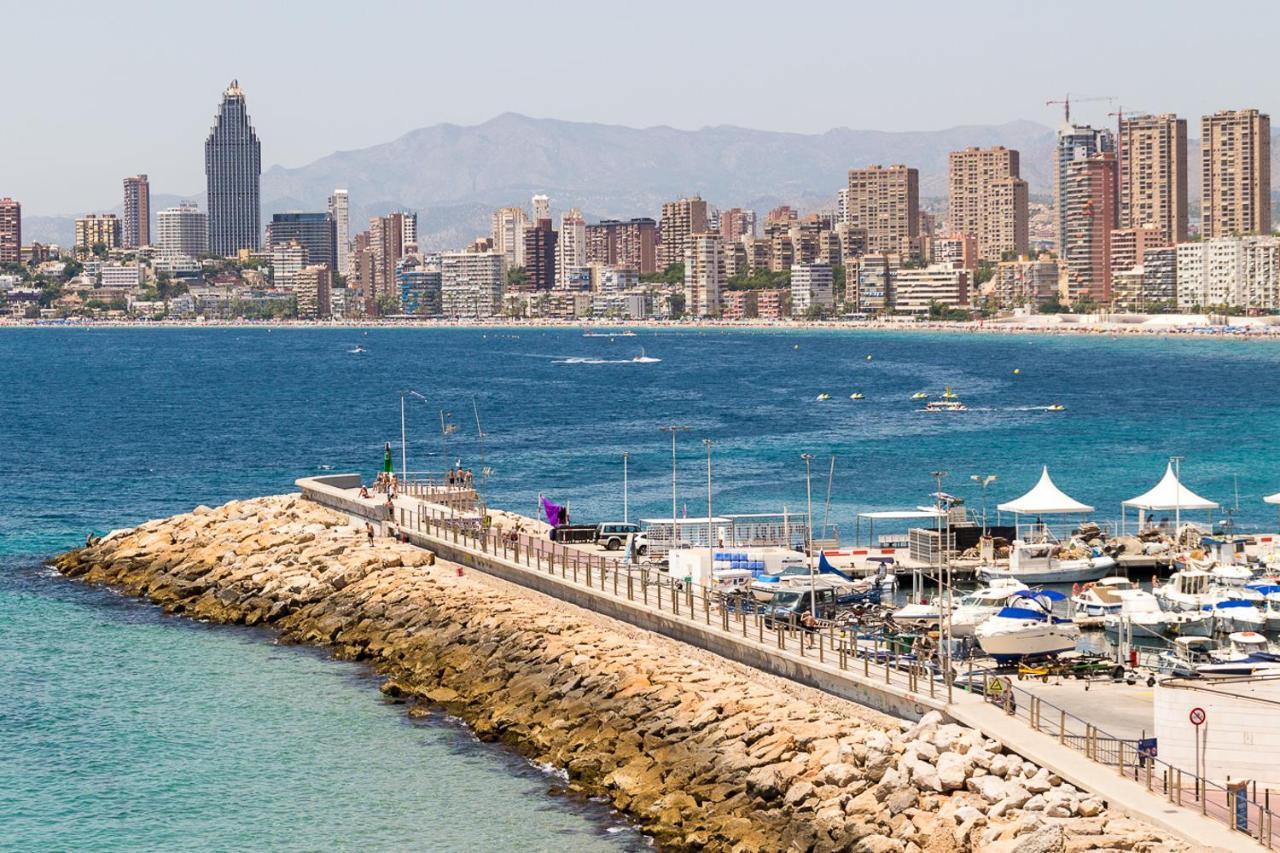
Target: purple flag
(555, 513)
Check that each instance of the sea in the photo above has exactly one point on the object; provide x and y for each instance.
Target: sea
(123, 728)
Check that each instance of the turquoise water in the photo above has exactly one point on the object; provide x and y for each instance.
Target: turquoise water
(120, 727)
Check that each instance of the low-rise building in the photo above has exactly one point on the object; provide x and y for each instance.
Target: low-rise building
(120, 276)
(739, 304)
(773, 304)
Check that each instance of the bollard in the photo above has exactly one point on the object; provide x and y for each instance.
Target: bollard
(1062, 726)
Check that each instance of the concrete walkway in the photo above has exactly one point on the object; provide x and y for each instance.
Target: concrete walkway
(871, 684)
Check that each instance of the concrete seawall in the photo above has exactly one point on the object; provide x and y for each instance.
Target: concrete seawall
(700, 751)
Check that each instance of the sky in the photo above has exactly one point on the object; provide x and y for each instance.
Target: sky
(113, 89)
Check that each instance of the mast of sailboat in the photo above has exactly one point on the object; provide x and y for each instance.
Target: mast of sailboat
(826, 510)
(484, 469)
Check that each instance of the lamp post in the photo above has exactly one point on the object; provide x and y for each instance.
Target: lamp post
(944, 585)
(404, 451)
(674, 429)
(625, 457)
(983, 481)
(707, 443)
(813, 578)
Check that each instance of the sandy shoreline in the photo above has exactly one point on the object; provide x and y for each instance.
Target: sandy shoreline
(1159, 326)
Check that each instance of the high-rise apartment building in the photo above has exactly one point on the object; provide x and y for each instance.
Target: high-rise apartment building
(340, 210)
(507, 225)
(137, 212)
(541, 207)
(625, 244)
(471, 284)
(1241, 272)
(316, 232)
(1153, 174)
(420, 287)
(703, 275)
(10, 231)
(1089, 189)
(736, 223)
(1235, 173)
(373, 261)
(812, 289)
(312, 287)
(409, 230)
(540, 255)
(182, 232)
(885, 202)
(1025, 281)
(1129, 247)
(287, 260)
(681, 219)
(989, 200)
(232, 167)
(98, 229)
(571, 246)
(1075, 142)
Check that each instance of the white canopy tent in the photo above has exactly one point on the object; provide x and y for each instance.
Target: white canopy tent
(1168, 494)
(1045, 498)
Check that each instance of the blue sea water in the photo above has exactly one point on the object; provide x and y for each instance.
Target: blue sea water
(123, 728)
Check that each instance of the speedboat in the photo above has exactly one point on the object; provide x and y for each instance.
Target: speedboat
(645, 359)
(976, 607)
(1056, 407)
(358, 350)
(944, 406)
(1246, 654)
(1231, 574)
(1027, 632)
(1270, 604)
(1141, 617)
(1233, 614)
(918, 614)
(1188, 590)
(919, 395)
(1099, 598)
(1036, 563)
(823, 397)
(856, 395)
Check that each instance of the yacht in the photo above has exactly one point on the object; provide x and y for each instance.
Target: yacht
(976, 607)
(1100, 598)
(1200, 657)
(1141, 616)
(1027, 632)
(1234, 614)
(1188, 590)
(1035, 563)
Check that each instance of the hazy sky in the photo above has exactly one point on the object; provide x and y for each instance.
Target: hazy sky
(111, 89)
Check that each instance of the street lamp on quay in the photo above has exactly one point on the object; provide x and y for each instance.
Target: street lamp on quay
(707, 443)
(983, 482)
(404, 451)
(625, 457)
(944, 580)
(813, 578)
(674, 429)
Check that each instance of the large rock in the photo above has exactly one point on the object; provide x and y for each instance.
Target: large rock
(951, 771)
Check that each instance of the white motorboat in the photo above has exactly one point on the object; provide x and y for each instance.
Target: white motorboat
(944, 406)
(1234, 614)
(1200, 657)
(1141, 616)
(1188, 590)
(1027, 632)
(1270, 605)
(1035, 563)
(918, 614)
(1231, 574)
(1101, 598)
(976, 607)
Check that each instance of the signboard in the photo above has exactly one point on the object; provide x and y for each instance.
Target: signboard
(1196, 716)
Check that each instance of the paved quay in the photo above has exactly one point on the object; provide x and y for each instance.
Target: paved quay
(601, 584)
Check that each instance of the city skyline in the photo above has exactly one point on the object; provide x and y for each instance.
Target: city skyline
(295, 99)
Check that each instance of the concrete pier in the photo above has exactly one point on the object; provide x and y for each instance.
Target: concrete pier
(606, 586)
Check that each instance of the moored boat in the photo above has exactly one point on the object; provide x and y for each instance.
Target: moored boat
(1028, 631)
(1036, 563)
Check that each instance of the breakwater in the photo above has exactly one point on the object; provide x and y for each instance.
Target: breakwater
(698, 751)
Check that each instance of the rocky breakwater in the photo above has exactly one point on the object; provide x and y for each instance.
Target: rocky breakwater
(701, 752)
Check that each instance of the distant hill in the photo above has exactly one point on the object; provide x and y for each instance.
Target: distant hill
(454, 175)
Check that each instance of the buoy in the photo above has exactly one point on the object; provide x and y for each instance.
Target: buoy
(1016, 371)
(868, 358)
(797, 346)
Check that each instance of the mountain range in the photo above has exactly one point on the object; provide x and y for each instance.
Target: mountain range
(455, 175)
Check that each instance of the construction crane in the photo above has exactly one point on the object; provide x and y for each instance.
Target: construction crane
(1066, 104)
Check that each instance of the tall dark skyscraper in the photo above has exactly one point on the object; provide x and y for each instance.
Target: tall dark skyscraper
(232, 168)
(316, 232)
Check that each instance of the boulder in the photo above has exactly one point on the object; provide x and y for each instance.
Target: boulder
(840, 774)
(951, 771)
(1049, 838)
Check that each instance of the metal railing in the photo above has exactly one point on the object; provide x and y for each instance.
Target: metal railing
(1245, 809)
